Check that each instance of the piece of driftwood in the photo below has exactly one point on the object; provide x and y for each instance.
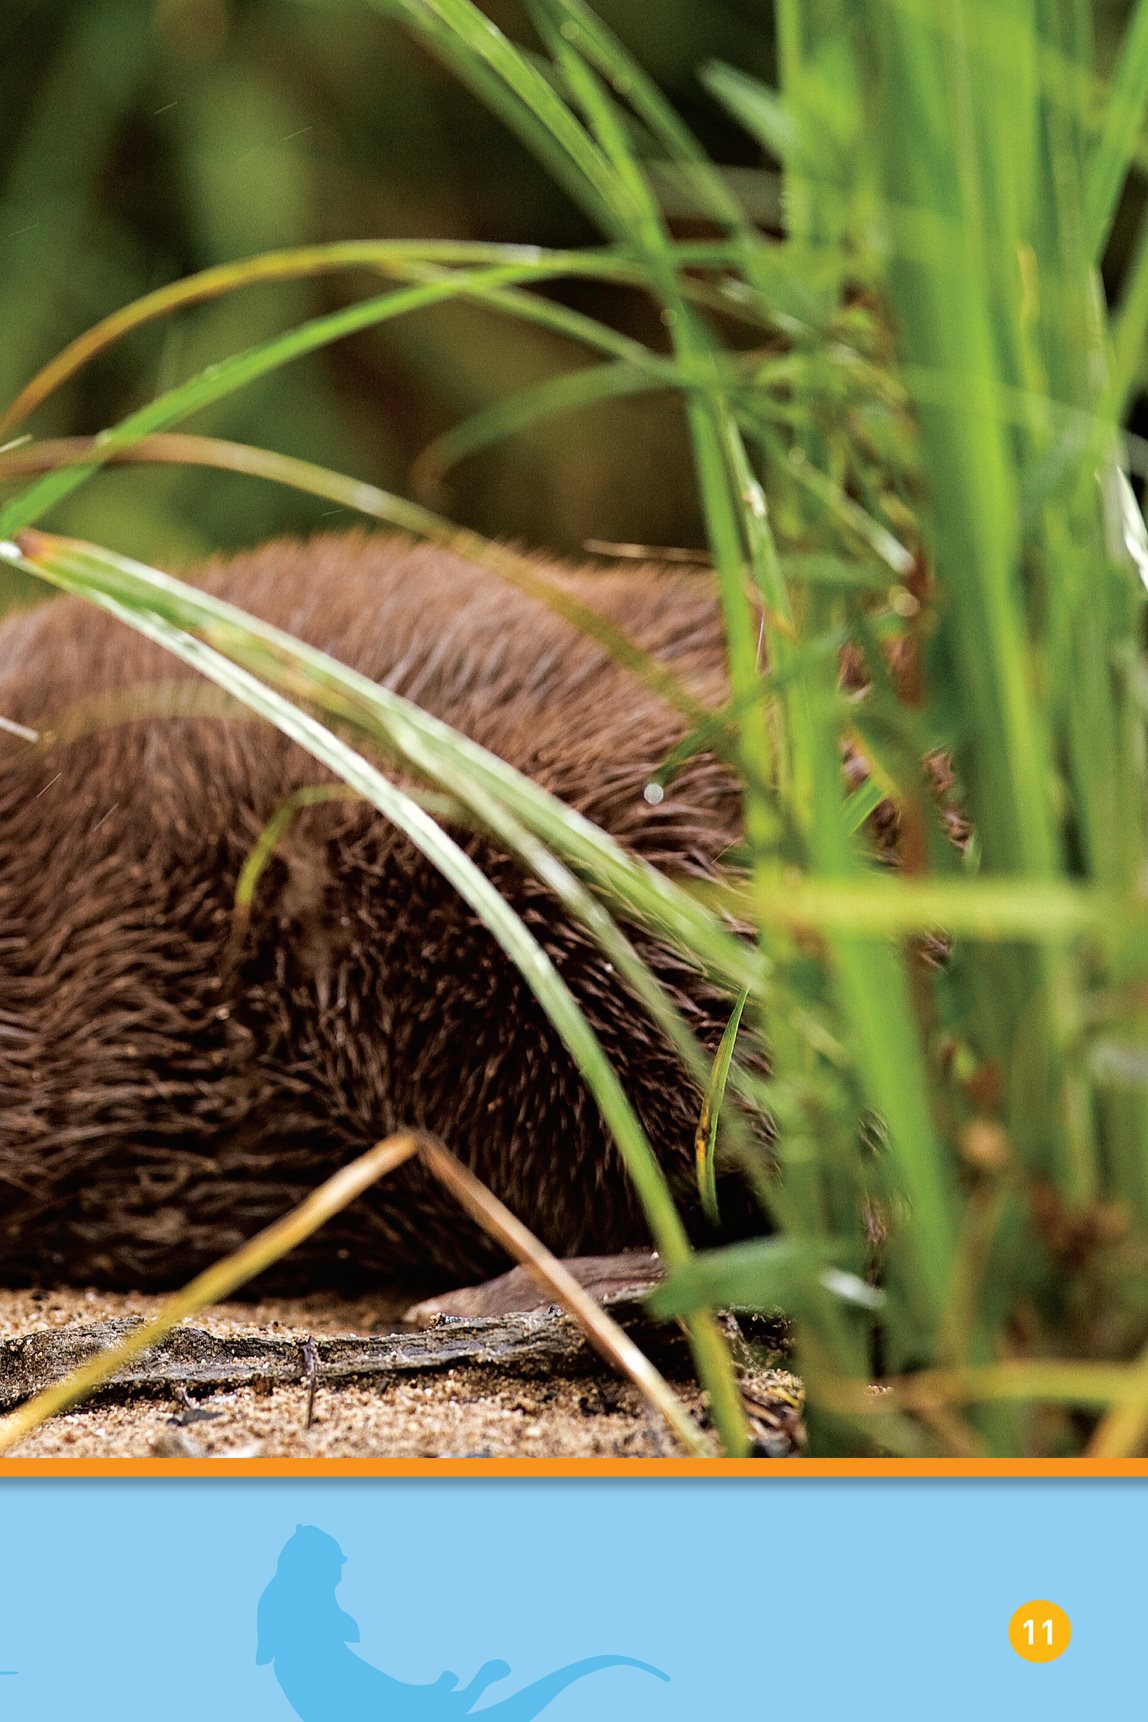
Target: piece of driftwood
(612, 1281)
(192, 1357)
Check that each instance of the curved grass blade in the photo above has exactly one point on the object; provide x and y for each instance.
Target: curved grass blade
(568, 393)
(214, 1284)
(765, 117)
(262, 851)
(740, 534)
(1125, 102)
(765, 1274)
(285, 469)
(440, 755)
(863, 801)
(228, 375)
(1046, 912)
(604, 1333)
(509, 82)
(1129, 330)
(588, 36)
(726, 481)
(1092, 1386)
(225, 1277)
(404, 260)
(554, 396)
(705, 1138)
(1123, 1431)
(788, 290)
(363, 498)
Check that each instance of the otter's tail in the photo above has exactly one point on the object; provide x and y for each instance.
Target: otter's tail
(523, 1706)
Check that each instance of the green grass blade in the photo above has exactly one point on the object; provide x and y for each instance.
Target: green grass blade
(517, 91)
(710, 1115)
(1124, 107)
(764, 116)
(454, 763)
(359, 497)
(767, 1274)
(237, 372)
(554, 396)
(403, 259)
(602, 50)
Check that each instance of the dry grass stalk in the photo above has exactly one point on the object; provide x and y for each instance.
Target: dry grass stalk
(275, 1241)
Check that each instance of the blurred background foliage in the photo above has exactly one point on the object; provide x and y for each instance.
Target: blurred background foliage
(145, 139)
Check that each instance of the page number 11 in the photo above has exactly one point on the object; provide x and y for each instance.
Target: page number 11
(1040, 1631)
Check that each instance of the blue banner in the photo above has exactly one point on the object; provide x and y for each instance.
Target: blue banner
(410, 1601)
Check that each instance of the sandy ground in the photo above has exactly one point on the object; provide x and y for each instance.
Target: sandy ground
(20, 1311)
(464, 1412)
(458, 1414)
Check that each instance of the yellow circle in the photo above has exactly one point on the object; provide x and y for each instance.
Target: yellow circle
(1039, 1631)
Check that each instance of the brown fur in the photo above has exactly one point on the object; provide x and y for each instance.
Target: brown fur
(156, 1104)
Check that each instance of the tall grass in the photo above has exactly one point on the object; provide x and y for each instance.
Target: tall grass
(905, 420)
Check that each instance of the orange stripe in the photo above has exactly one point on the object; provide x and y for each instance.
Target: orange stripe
(763, 1470)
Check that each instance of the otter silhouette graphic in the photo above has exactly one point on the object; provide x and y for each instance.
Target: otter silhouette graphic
(304, 1634)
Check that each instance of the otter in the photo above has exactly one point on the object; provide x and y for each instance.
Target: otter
(164, 1094)
(303, 1632)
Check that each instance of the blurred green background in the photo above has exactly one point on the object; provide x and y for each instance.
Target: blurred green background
(144, 139)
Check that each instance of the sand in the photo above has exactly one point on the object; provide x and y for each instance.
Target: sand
(463, 1412)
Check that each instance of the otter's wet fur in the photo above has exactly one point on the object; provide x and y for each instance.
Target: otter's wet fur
(158, 1102)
